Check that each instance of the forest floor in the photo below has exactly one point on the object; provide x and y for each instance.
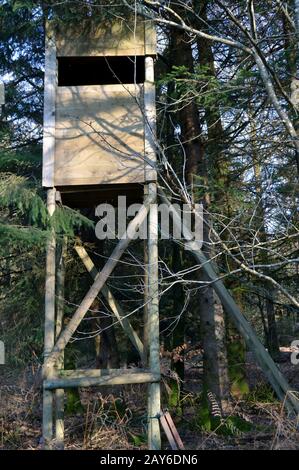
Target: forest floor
(116, 419)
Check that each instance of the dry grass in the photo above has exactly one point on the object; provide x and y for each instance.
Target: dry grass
(115, 419)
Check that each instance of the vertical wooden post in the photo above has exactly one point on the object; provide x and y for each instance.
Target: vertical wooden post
(50, 87)
(49, 324)
(154, 406)
(151, 276)
(150, 120)
(145, 309)
(150, 154)
(59, 393)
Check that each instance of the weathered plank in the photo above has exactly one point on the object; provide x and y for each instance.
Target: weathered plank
(120, 37)
(99, 135)
(150, 121)
(154, 405)
(120, 377)
(145, 308)
(74, 373)
(50, 86)
(174, 430)
(49, 328)
(168, 432)
(150, 40)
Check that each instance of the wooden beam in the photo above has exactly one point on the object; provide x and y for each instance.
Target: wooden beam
(75, 373)
(174, 430)
(150, 38)
(49, 331)
(171, 431)
(112, 302)
(99, 282)
(104, 144)
(145, 309)
(168, 432)
(150, 121)
(101, 378)
(50, 87)
(263, 358)
(120, 38)
(154, 405)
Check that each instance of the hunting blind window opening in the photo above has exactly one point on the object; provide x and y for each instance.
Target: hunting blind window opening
(80, 71)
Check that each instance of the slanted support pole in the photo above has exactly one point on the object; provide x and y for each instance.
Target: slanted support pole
(49, 331)
(59, 393)
(154, 406)
(271, 371)
(112, 302)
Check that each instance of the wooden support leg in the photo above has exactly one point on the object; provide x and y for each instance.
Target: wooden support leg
(59, 393)
(145, 310)
(154, 406)
(49, 325)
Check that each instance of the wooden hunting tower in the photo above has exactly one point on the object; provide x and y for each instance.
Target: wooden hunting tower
(99, 111)
(99, 142)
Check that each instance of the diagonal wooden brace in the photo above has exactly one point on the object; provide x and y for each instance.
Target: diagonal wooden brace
(113, 304)
(98, 284)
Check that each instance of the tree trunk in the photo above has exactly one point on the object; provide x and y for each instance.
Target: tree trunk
(272, 341)
(209, 307)
(217, 169)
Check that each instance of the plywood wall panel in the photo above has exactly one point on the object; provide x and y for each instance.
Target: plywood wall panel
(99, 135)
(122, 38)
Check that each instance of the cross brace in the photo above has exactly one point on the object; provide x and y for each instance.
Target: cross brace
(113, 304)
(99, 377)
(98, 284)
